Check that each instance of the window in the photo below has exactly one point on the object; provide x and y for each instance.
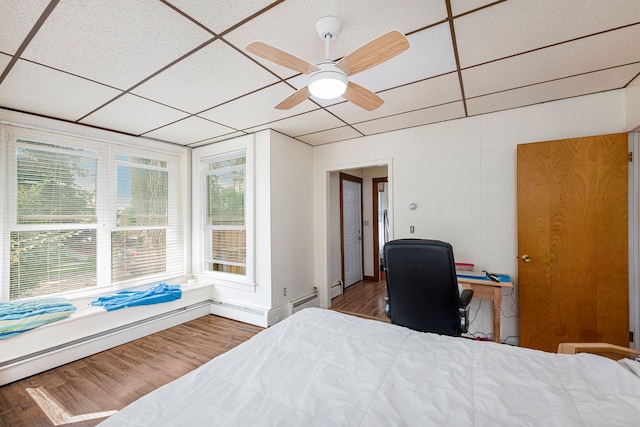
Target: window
(224, 212)
(84, 214)
(138, 245)
(226, 237)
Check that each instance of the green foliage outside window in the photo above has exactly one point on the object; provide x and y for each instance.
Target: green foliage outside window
(53, 188)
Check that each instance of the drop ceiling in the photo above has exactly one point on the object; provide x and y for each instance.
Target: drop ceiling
(177, 70)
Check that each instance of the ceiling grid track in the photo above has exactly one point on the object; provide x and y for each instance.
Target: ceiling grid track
(457, 56)
(179, 71)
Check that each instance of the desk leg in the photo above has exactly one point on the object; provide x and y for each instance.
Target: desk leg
(497, 301)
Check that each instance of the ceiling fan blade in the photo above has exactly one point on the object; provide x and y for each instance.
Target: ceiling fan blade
(294, 99)
(362, 97)
(374, 52)
(280, 57)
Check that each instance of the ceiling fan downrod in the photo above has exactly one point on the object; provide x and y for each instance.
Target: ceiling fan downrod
(327, 47)
(328, 28)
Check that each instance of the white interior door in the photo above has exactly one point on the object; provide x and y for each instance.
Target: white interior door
(352, 232)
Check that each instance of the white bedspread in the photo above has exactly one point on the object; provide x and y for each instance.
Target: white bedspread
(323, 368)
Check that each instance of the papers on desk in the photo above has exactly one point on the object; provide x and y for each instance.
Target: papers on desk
(483, 275)
(471, 274)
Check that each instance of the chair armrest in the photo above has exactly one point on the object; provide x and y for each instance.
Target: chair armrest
(610, 351)
(465, 297)
(463, 309)
(386, 307)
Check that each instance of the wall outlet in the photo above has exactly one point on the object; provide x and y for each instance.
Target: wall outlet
(284, 292)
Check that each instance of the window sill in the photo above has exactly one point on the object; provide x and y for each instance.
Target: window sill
(244, 285)
(92, 323)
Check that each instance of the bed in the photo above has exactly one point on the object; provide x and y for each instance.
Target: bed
(324, 368)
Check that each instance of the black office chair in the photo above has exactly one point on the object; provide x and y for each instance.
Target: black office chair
(422, 288)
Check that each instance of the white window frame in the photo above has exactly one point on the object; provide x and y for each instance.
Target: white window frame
(106, 151)
(174, 265)
(200, 154)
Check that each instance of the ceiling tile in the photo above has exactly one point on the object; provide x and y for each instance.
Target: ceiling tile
(16, 21)
(257, 108)
(134, 115)
(559, 89)
(303, 124)
(331, 135)
(462, 6)
(115, 42)
(205, 79)
(430, 54)
(4, 61)
(427, 93)
(362, 20)
(440, 113)
(219, 16)
(41, 90)
(189, 131)
(525, 25)
(584, 55)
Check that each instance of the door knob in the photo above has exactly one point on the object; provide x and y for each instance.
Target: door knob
(526, 258)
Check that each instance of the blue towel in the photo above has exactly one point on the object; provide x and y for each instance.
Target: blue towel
(21, 316)
(159, 293)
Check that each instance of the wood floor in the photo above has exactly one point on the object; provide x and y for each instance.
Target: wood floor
(85, 392)
(364, 298)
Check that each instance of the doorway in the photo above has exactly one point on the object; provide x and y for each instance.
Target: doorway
(333, 274)
(351, 228)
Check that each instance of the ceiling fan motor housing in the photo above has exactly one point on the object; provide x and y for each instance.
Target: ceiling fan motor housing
(329, 82)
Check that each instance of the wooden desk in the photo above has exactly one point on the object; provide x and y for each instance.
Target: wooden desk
(488, 289)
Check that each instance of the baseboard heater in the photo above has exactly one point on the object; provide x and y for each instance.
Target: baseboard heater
(103, 334)
(304, 302)
(249, 310)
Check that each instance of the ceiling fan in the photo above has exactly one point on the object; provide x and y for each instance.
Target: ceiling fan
(330, 79)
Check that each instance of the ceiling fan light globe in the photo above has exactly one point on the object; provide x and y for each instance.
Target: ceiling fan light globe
(327, 84)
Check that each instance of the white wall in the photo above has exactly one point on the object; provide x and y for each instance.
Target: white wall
(633, 105)
(263, 220)
(291, 219)
(461, 174)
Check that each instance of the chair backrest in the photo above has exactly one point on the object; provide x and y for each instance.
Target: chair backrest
(422, 287)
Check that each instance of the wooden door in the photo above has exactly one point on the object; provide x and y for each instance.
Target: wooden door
(572, 241)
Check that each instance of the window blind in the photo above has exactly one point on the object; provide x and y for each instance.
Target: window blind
(81, 214)
(138, 245)
(226, 241)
